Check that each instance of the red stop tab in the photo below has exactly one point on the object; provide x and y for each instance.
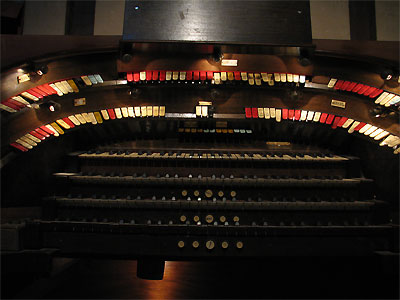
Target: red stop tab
(68, 121)
(44, 128)
(210, 75)
(297, 114)
(329, 119)
(38, 135)
(40, 131)
(35, 94)
(351, 86)
(335, 122)
(359, 126)
(237, 76)
(43, 90)
(342, 121)
(19, 147)
(189, 75)
(363, 89)
(291, 114)
(50, 90)
(375, 93)
(254, 112)
(136, 76)
(203, 75)
(129, 77)
(285, 113)
(357, 87)
(369, 91)
(162, 75)
(111, 113)
(345, 85)
(338, 84)
(196, 75)
(248, 112)
(149, 75)
(155, 75)
(323, 117)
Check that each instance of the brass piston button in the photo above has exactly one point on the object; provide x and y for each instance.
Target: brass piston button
(183, 218)
(196, 193)
(195, 244)
(224, 245)
(181, 244)
(208, 193)
(184, 193)
(239, 245)
(209, 219)
(210, 245)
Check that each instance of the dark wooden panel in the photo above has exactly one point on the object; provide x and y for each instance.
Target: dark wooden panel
(362, 20)
(263, 22)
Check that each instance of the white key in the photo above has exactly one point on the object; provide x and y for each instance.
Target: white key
(278, 113)
(370, 130)
(317, 115)
(182, 76)
(387, 99)
(381, 135)
(376, 132)
(137, 111)
(131, 112)
(198, 111)
(143, 111)
(74, 120)
(381, 97)
(266, 113)
(34, 138)
(175, 75)
(92, 118)
(393, 101)
(60, 86)
(142, 75)
(63, 124)
(204, 111)
(149, 111)
(81, 118)
(118, 113)
(332, 82)
(261, 112)
(303, 116)
(67, 86)
(296, 78)
(277, 77)
(264, 77)
(162, 111)
(21, 100)
(283, 77)
(272, 112)
(155, 111)
(310, 115)
(244, 76)
(302, 78)
(124, 111)
(217, 78)
(365, 128)
(347, 123)
(289, 78)
(168, 75)
(30, 96)
(223, 76)
(105, 115)
(59, 92)
(52, 129)
(354, 125)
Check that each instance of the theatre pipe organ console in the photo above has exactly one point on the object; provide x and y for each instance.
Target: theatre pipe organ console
(211, 162)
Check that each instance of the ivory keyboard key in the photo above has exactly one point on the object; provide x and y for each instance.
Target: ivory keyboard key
(149, 111)
(87, 118)
(354, 125)
(296, 78)
(143, 111)
(155, 111)
(310, 115)
(182, 76)
(217, 78)
(168, 75)
(137, 111)
(365, 128)
(198, 111)
(74, 120)
(204, 111)
(81, 118)
(243, 75)
(272, 112)
(303, 115)
(278, 115)
(261, 112)
(251, 78)
(302, 78)
(175, 75)
(277, 77)
(387, 99)
(289, 77)
(317, 116)
(257, 78)
(266, 113)
(131, 112)
(118, 113)
(162, 111)
(381, 135)
(142, 76)
(67, 86)
(376, 132)
(370, 130)
(223, 76)
(124, 111)
(283, 77)
(264, 77)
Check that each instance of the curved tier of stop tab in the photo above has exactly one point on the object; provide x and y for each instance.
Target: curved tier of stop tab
(61, 87)
(56, 128)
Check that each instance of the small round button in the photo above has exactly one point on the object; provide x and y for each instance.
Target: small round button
(196, 193)
(224, 244)
(233, 193)
(235, 219)
(222, 219)
(183, 218)
(195, 244)
(220, 193)
(239, 245)
(181, 244)
(184, 193)
(209, 218)
(196, 218)
(208, 193)
(210, 244)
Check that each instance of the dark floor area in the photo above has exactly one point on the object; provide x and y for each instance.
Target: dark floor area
(282, 277)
